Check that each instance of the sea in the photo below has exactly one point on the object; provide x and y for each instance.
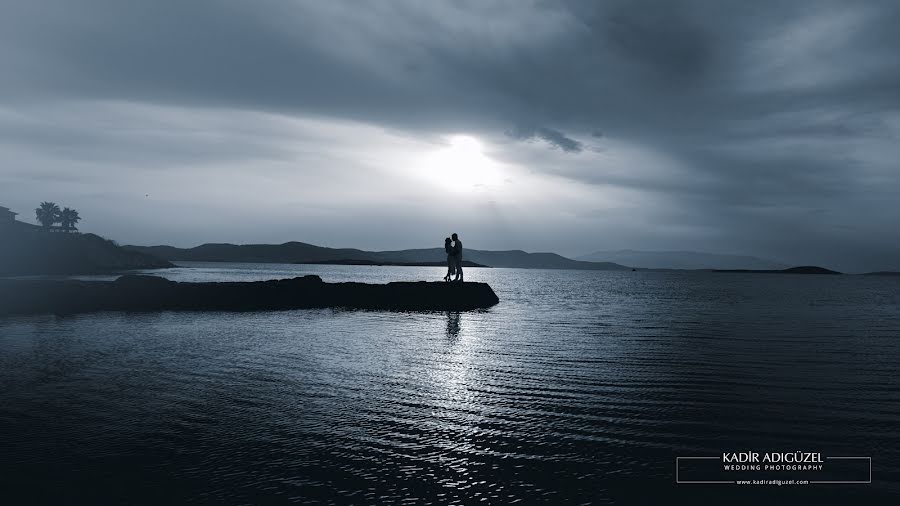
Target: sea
(579, 387)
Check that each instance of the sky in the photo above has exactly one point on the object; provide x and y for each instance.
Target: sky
(767, 128)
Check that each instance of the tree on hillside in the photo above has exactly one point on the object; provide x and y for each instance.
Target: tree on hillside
(68, 218)
(48, 214)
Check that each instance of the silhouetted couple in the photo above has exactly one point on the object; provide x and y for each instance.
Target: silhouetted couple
(453, 247)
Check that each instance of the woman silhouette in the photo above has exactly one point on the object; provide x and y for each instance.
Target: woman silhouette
(451, 264)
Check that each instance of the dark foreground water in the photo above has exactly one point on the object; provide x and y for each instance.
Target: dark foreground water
(580, 387)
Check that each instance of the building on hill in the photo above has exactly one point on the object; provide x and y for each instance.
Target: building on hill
(7, 216)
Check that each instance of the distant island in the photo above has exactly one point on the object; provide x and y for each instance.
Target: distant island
(682, 260)
(302, 253)
(27, 249)
(465, 263)
(805, 269)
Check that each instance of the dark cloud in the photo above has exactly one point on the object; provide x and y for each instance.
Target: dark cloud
(660, 35)
(770, 125)
(554, 137)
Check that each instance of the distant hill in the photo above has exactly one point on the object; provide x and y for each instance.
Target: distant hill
(298, 252)
(805, 269)
(28, 250)
(465, 263)
(681, 260)
(509, 258)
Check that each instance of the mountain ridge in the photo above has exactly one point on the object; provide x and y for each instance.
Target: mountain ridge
(299, 252)
(682, 260)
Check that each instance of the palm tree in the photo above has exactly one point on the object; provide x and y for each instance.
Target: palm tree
(68, 218)
(48, 214)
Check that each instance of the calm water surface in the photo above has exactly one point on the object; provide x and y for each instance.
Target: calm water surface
(579, 387)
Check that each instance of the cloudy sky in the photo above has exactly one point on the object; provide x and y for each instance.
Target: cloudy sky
(765, 128)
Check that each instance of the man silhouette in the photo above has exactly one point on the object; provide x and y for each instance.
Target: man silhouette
(457, 257)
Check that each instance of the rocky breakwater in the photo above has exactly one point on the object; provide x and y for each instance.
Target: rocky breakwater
(151, 293)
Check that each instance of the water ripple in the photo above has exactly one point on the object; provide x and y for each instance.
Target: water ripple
(577, 388)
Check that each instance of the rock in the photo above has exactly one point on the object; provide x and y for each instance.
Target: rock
(152, 293)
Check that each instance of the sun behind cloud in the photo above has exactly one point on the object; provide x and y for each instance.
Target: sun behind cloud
(462, 166)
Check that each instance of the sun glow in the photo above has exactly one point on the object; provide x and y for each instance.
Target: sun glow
(462, 166)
